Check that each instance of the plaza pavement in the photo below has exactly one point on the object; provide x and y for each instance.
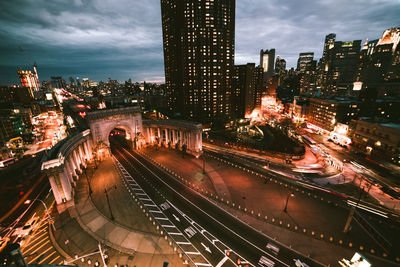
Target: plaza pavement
(130, 239)
(322, 221)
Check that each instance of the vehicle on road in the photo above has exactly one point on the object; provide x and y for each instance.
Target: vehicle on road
(27, 228)
(6, 162)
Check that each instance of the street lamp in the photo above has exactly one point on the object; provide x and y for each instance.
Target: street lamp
(204, 164)
(49, 218)
(287, 200)
(87, 179)
(108, 200)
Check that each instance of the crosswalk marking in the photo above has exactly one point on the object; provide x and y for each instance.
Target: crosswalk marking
(54, 260)
(32, 247)
(39, 255)
(47, 257)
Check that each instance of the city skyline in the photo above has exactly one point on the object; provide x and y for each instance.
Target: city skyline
(100, 39)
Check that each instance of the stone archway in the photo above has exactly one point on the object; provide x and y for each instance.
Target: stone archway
(102, 122)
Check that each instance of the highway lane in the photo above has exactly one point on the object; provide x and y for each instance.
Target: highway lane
(241, 238)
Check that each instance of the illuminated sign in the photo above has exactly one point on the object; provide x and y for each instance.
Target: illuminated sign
(357, 86)
(357, 260)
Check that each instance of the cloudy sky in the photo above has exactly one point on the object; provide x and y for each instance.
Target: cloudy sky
(122, 39)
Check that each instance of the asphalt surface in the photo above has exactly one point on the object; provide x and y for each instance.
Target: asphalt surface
(219, 231)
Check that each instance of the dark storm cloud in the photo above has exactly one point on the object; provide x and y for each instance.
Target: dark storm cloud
(123, 38)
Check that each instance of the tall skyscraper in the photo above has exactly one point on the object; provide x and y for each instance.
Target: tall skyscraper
(30, 80)
(306, 62)
(267, 59)
(247, 89)
(198, 41)
(280, 66)
(328, 44)
(341, 67)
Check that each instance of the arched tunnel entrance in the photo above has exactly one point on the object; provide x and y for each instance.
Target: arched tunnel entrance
(121, 136)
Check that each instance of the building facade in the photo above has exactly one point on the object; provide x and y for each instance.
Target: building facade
(341, 66)
(267, 60)
(380, 139)
(247, 89)
(326, 114)
(30, 80)
(306, 62)
(198, 43)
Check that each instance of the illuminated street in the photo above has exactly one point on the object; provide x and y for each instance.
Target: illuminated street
(205, 133)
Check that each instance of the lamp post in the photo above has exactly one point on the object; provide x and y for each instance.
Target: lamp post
(87, 179)
(204, 163)
(49, 218)
(287, 200)
(108, 200)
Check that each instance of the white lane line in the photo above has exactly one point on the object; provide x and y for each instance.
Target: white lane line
(168, 225)
(172, 226)
(150, 205)
(221, 262)
(183, 243)
(192, 252)
(208, 215)
(155, 211)
(202, 264)
(142, 198)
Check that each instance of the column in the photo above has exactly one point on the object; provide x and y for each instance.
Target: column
(166, 136)
(66, 185)
(76, 160)
(86, 150)
(56, 188)
(71, 163)
(81, 153)
(173, 137)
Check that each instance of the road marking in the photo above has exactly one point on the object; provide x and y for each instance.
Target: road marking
(161, 218)
(202, 264)
(47, 257)
(206, 248)
(177, 233)
(155, 211)
(54, 260)
(37, 257)
(168, 225)
(176, 217)
(192, 252)
(221, 262)
(40, 246)
(31, 241)
(183, 243)
(32, 247)
(187, 200)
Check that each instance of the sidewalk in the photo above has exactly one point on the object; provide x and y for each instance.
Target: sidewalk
(130, 239)
(322, 220)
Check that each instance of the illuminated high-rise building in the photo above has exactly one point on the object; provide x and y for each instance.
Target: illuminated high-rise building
(341, 67)
(328, 44)
(306, 62)
(30, 80)
(247, 89)
(198, 42)
(267, 58)
(280, 66)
